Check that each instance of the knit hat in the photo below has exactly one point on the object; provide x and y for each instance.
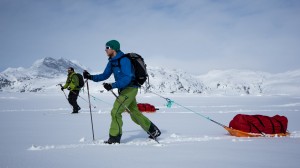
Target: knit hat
(71, 68)
(113, 44)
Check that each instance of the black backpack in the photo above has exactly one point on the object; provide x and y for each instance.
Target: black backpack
(80, 79)
(139, 66)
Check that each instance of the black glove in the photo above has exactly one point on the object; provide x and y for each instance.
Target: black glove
(87, 75)
(62, 88)
(107, 86)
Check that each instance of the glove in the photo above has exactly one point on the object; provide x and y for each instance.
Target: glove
(69, 88)
(62, 88)
(107, 86)
(87, 75)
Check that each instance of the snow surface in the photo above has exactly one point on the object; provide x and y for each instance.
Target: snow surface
(37, 130)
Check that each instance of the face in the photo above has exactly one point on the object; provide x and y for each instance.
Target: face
(110, 52)
(69, 71)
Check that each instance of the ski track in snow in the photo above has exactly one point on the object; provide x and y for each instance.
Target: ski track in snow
(173, 139)
(86, 111)
(95, 143)
(10, 98)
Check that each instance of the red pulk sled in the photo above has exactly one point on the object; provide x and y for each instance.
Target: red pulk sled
(145, 107)
(243, 125)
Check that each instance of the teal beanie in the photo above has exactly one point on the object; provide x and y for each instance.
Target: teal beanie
(113, 44)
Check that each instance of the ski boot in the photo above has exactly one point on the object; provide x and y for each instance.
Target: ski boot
(154, 131)
(113, 139)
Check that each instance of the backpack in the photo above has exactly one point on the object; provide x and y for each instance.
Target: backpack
(139, 66)
(80, 80)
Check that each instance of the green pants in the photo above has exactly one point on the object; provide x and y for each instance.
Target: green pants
(127, 99)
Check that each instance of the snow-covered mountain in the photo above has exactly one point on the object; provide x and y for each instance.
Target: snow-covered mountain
(46, 73)
(50, 67)
(174, 81)
(246, 82)
(230, 82)
(41, 76)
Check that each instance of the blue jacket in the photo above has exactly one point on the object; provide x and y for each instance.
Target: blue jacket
(123, 74)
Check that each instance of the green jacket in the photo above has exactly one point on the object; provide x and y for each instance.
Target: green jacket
(72, 82)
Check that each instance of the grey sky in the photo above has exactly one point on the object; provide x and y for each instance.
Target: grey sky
(193, 35)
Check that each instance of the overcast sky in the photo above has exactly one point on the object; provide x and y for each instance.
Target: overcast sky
(192, 35)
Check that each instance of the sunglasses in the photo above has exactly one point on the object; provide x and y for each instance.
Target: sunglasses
(107, 47)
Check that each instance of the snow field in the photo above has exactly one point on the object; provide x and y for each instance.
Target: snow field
(37, 130)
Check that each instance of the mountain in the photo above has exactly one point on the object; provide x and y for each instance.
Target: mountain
(246, 82)
(46, 73)
(39, 77)
(230, 82)
(173, 81)
(50, 67)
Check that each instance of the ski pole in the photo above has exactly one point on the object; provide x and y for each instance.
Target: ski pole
(95, 98)
(127, 109)
(65, 94)
(62, 90)
(87, 85)
(83, 98)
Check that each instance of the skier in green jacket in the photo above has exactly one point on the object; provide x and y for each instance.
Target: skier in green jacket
(72, 84)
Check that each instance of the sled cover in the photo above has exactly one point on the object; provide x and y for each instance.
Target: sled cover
(259, 124)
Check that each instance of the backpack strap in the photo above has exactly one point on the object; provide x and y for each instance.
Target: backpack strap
(70, 78)
(119, 61)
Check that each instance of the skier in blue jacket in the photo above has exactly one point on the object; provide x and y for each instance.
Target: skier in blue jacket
(124, 82)
(122, 74)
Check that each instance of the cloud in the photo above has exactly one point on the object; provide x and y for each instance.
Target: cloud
(207, 34)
